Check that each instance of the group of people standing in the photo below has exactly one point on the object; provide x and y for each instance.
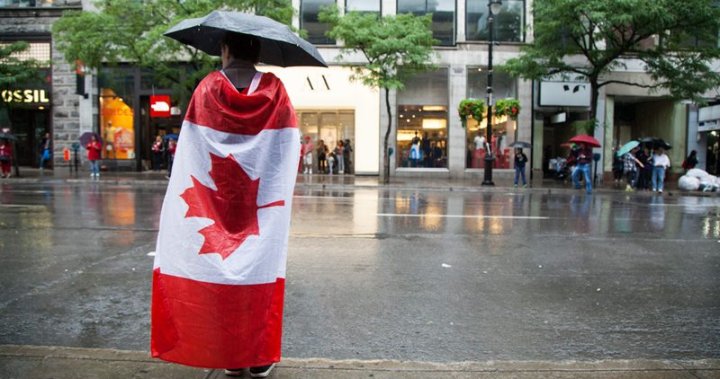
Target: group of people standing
(161, 151)
(337, 160)
(643, 168)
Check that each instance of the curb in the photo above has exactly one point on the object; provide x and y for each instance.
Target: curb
(20, 361)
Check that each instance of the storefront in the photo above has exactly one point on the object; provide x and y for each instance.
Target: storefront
(709, 131)
(132, 112)
(333, 108)
(26, 111)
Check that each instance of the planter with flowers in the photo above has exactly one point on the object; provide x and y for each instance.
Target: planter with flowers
(508, 107)
(471, 108)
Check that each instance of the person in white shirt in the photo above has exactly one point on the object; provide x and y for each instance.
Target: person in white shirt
(479, 141)
(661, 162)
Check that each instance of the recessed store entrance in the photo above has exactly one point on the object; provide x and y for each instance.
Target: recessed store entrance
(330, 126)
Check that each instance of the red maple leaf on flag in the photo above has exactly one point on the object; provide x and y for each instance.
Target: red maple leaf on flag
(233, 206)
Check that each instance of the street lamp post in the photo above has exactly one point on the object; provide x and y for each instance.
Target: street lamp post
(494, 7)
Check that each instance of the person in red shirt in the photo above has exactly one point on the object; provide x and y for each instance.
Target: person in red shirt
(94, 148)
(5, 157)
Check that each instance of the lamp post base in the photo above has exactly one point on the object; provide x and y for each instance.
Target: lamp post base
(487, 180)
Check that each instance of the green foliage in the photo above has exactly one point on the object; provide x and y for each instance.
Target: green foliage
(14, 70)
(132, 31)
(604, 31)
(474, 108)
(395, 47)
(507, 107)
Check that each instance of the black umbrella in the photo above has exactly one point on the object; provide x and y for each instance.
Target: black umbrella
(87, 136)
(654, 143)
(8, 136)
(521, 144)
(278, 44)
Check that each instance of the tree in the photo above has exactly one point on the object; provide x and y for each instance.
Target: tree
(395, 47)
(132, 31)
(605, 33)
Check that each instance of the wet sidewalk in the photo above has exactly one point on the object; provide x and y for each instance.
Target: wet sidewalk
(503, 181)
(20, 362)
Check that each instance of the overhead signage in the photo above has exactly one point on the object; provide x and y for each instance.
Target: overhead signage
(709, 118)
(160, 106)
(564, 94)
(25, 96)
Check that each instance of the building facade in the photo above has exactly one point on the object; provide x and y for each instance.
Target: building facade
(118, 102)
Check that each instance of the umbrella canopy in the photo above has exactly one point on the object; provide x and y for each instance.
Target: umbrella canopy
(87, 136)
(627, 147)
(278, 44)
(8, 136)
(654, 143)
(586, 139)
(521, 144)
(170, 136)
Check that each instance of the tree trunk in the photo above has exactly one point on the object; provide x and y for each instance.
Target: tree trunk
(386, 156)
(594, 96)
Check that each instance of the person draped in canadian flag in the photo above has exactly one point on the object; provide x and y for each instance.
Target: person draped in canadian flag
(219, 272)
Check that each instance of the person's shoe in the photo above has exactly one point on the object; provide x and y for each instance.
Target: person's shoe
(234, 371)
(524, 185)
(261, 371)
(660, 191)
(515, 185)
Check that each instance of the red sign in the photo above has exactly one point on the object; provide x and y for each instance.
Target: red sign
(160, 106)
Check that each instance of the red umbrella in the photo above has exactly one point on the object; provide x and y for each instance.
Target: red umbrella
(584, 138)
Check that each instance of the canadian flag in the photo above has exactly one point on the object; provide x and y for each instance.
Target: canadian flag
(219, 272)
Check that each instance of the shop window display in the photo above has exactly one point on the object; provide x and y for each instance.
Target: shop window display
(422, 136)
(422, 121)
(117, 114)
(330, 127)
(118, 131)
(503, 127)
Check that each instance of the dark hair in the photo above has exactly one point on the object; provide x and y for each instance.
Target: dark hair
(242, 46)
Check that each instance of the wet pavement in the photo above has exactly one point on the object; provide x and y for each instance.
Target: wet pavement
(407, 273)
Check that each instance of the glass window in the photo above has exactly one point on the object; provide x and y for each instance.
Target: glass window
(364, 6)
(28, 3)
(332, 134)
(117, 116)
(509, 23)
(443, 16)
(423, 121)
(503, 130)
(309, 10)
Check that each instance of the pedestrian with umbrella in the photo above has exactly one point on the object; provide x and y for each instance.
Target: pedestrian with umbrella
(520, 161)
(630, 165)
(94, 147)
(219, 272)
(583, 159)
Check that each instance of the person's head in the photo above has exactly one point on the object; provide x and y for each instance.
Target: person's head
(93, 138)
(518, 150)
(659, 150)
(158, 138)
(235, 46)
(693, 153)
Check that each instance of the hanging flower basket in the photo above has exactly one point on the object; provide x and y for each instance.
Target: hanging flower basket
(471, 108)
(508, 107)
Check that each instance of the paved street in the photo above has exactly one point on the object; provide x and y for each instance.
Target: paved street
(404, 274)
